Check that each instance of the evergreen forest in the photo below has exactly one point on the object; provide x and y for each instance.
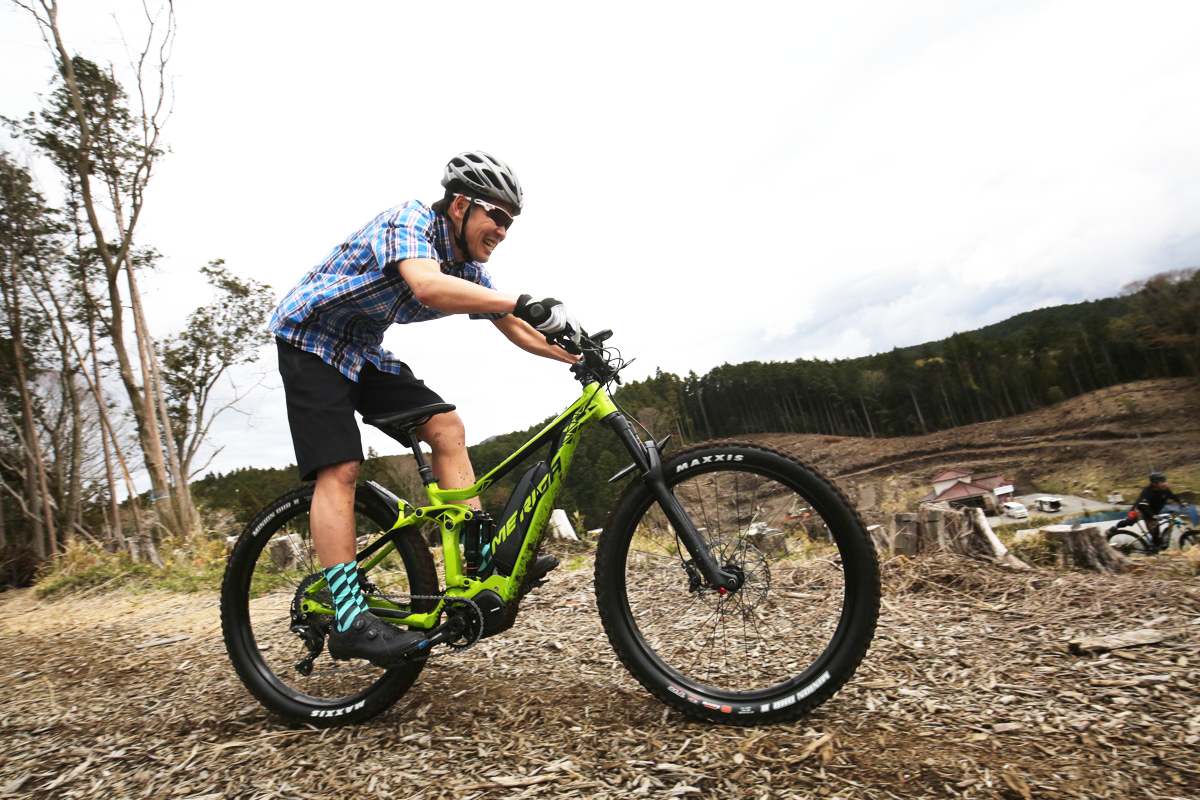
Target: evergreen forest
(1029, 361)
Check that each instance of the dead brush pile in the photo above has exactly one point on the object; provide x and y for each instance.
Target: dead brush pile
(970, 690)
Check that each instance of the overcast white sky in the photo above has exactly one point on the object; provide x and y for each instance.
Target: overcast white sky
(715, 182)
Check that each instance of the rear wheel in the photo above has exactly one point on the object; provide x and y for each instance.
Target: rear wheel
(271, 565)
(1126, 542)
(794, 631)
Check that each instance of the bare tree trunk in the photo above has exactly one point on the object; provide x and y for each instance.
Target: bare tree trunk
(917, 406)
(182, 508)
(67, 458)
(115, 532)
(37, 500)
(704, 413)
(145, 414)
(142, 544)
(866, 416)
(143, 406)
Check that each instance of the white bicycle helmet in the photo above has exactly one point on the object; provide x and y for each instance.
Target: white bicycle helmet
(479, 174)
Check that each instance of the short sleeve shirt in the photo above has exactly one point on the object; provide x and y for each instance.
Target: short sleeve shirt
(341, 308)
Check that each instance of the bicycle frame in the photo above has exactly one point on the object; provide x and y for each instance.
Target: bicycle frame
(449, 511)
(1165, 524)
(447, 508)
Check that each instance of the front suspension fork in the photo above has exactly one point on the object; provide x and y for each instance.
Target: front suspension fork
(649, 463)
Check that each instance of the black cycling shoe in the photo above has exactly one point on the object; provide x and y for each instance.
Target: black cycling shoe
(538, 570)
(370, 638)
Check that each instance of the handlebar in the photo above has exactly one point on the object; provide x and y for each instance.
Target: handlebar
(599, 363)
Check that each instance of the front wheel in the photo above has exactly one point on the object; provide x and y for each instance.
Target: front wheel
(1189, 542)
(803, 617)
(277, 647)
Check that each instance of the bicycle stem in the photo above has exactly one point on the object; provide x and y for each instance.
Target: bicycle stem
(649, 464)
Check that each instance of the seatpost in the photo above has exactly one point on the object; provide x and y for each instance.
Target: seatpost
(423, 468)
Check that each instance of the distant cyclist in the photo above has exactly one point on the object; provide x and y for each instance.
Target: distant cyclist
(412, 263)
(1148, 505)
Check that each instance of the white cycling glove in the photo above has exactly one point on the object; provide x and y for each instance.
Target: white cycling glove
(548, 316)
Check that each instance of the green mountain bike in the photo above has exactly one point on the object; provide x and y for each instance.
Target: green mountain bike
(735, 582)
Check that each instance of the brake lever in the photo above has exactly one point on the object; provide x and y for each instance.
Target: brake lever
(563, 340)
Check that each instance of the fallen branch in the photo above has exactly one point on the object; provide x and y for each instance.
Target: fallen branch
(1101, 644)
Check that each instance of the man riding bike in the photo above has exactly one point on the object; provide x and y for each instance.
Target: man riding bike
(1149, 504)
(411, 263)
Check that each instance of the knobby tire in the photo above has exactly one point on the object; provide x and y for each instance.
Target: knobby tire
(796, 630)
(271, 559)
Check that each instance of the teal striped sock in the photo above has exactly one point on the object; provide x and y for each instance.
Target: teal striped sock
(348, 599)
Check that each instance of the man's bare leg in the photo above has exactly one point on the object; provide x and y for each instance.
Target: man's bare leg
(332, 515)
(356, 633)
(447, 438)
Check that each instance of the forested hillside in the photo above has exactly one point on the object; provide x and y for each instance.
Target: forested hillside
(1030, 361)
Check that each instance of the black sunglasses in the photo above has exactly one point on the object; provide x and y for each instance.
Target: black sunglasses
(498, 215)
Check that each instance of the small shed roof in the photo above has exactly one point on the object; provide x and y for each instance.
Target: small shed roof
(958, 491)
(991, 481)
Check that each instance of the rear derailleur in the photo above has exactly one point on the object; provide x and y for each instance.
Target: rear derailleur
(310, 627)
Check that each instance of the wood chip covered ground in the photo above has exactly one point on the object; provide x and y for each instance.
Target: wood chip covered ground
(972, 690)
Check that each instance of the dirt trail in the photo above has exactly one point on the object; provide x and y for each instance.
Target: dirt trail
(968, 691)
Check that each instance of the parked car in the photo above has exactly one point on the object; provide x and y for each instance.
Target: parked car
(1014, 509)
(1049, 504)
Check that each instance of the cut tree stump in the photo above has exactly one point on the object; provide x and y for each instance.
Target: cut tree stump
(982, 542)
(1086, 549)
(879, 535)
(906, 542)
(941, 529)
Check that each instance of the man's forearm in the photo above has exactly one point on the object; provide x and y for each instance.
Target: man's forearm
(451, 295)
(525, 337)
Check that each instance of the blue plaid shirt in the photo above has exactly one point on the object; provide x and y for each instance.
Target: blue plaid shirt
(341, 308)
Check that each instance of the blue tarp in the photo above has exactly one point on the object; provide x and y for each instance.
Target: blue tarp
(1103, 516)
(1107, 516)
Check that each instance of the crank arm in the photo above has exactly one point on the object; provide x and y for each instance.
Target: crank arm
(448, 631)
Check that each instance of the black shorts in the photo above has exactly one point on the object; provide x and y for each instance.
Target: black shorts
(321, 402)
